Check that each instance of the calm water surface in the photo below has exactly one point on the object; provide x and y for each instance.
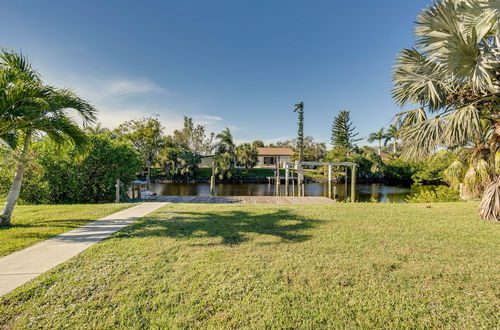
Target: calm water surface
(364, 192)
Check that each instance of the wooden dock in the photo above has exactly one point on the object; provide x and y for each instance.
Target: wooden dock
(279, 200)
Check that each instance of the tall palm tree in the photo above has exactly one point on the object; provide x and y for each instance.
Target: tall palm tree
(225, 159)
(453, 74)
(225, 144)
(378, 136)
(392, 135)
(28, 108)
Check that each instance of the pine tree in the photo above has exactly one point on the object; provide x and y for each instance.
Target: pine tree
(299, 108)
(343, 135)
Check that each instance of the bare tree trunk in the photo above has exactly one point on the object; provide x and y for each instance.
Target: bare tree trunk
(148, 176)
(489, 208)
(15, 188)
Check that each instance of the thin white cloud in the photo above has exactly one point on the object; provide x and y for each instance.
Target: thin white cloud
(122, 99)
(110, 90)
(121, 87)
(208, 118)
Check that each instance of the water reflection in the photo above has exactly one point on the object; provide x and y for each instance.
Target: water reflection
(364, 192)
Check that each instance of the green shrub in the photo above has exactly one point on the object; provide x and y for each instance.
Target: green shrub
(73, 178)
(434, 194)
(63, 175)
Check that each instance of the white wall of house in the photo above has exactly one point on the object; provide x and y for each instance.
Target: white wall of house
(270, 161)
(263, 161)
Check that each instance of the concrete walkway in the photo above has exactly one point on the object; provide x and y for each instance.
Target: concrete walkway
(21, 266)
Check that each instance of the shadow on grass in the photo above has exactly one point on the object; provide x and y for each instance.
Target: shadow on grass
(61, 223)
(228, 225)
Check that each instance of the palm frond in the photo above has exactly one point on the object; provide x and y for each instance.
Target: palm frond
(483, 172)
(418, 80)
(454, 34)
(16, 67)
(422, 138)
(471, 182)
(454, 173)
(463, 126)
(61, 129)
(62, 99)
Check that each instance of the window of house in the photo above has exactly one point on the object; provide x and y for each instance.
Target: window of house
(269, 161)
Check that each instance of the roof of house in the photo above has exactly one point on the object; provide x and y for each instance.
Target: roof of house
(384, 155)
(275, 151)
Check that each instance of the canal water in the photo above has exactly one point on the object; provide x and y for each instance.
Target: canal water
(364, 192)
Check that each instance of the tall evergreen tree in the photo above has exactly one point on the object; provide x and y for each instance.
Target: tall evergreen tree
(299, 108)
(343, 132)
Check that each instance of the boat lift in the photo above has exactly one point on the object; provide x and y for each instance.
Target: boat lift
(299, 167)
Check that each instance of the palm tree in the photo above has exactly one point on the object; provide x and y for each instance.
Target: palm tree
(224, 159)
(454, 77)
(225, 144)
(378, 136)
(247, 155)
(392, 134)
(28, 108)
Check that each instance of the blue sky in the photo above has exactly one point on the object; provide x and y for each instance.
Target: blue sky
(235, 63)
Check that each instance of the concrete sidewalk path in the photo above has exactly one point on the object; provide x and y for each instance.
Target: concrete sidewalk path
(21, 266)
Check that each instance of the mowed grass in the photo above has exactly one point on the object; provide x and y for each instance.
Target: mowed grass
(268, 266)
(34, 223)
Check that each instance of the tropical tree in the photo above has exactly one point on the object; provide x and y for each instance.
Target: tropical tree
(225, 142)
(258, 144)
(378, 136)
(313, 150)
(224, 158)
(343, 132)
(193, 137)
(247, 155)
(299, 108)
(453, 74)
(392, 135)
(29, 108)
(224, 166)
(179, 161)
(146, 136)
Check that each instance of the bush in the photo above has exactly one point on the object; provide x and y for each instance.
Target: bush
(434, 194)
(431, 171)
(72, 178)
(63, 175)
(398, 170)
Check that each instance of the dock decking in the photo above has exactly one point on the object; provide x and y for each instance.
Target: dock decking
(279, 200)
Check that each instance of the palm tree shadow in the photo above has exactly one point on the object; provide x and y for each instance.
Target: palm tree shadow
(230, 226)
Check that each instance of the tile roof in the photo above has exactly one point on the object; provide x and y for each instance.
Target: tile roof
(275, 151)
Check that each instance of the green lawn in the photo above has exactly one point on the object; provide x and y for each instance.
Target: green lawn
(262, 266)
(34, 223)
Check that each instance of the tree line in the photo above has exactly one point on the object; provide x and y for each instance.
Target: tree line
(451, 74)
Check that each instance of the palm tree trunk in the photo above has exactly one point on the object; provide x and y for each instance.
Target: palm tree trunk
(395, 146)
(15, 188)
(379, 147)
(489, 208)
